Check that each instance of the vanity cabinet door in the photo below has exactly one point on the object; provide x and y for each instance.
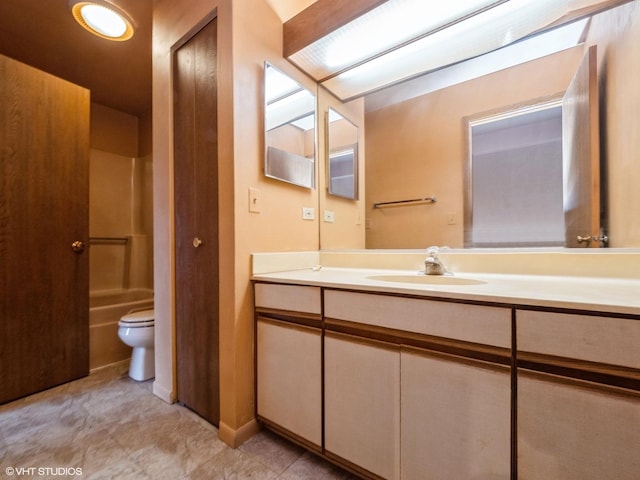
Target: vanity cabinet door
(456, 420)
(362, 403)
(578, 396)
(289, 379)
(573, 430)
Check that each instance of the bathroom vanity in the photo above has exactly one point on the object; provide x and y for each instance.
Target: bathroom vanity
(480, 375)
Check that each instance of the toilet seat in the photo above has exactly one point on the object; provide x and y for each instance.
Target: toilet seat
(139, 319)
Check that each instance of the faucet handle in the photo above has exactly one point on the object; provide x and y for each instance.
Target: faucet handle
(433, 250)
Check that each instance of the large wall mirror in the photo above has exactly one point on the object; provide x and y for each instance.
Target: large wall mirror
(416, 135)
(342, 156)
(290, 126)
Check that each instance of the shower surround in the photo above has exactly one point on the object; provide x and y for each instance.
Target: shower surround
(121, 257)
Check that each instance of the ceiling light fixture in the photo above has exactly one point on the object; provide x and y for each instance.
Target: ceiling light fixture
(365, 45)
(103, 18)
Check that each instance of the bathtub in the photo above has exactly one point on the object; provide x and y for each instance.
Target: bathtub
(105, 309)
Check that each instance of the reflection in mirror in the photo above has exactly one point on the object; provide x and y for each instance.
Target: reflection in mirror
(290, 123)
(415, 137)
(343, 156)
(513, 187)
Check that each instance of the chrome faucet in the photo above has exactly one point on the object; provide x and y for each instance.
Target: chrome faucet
(432, 264)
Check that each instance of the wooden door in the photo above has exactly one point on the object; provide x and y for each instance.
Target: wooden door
(581, 156)
(44, 205)
(196, 223)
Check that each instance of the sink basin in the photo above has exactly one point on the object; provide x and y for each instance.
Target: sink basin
(427, 279)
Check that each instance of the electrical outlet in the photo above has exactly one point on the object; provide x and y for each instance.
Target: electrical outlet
(308, 213)
(452, 219)
(254, 200)
(329, 216)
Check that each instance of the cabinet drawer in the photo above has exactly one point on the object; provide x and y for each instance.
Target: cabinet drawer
(293, 298)
(471, 323)
(613, 341)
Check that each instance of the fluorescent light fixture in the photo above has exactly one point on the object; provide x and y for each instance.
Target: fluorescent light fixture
(470, 38)
(387, 26)
(102, 18)
(401, 39)
(529, 49)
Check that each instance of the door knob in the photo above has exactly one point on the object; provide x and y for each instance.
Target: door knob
(592, 238)
(77, 246)
(587, 239)
(196, 242)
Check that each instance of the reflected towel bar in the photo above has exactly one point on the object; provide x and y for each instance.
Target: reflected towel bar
(108, 240)
(403, 202)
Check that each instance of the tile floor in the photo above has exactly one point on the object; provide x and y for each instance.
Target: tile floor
(111, 427)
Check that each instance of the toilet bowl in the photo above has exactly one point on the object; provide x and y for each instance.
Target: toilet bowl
(136, 329)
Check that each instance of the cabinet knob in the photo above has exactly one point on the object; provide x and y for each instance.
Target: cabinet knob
(196, 242)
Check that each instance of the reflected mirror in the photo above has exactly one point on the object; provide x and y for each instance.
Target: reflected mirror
(342, 152)
(290, 125)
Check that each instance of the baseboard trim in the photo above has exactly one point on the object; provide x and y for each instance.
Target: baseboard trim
(163, 393)
(236, 437)
(121, 364)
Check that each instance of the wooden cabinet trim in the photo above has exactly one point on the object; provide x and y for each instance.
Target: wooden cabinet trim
(352, 467)
(320, 19)
(599, 373)
(577, 382)
(285, 316)
(303, 442)
(375, 342)
(475, 362)
(457, 348)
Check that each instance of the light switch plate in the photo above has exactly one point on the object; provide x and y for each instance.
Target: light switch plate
(329, 216)
(254, 200)
(308, 213)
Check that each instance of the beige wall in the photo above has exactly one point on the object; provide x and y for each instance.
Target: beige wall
(249, 33)
(114, 131)
(417, 148)
(427, 156)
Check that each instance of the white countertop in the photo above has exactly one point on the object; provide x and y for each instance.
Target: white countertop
(606, 295)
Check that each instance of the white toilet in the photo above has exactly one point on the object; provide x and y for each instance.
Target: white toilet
(136, 329)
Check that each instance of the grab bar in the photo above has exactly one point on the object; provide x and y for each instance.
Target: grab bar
(108, 240)
(431, 199)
